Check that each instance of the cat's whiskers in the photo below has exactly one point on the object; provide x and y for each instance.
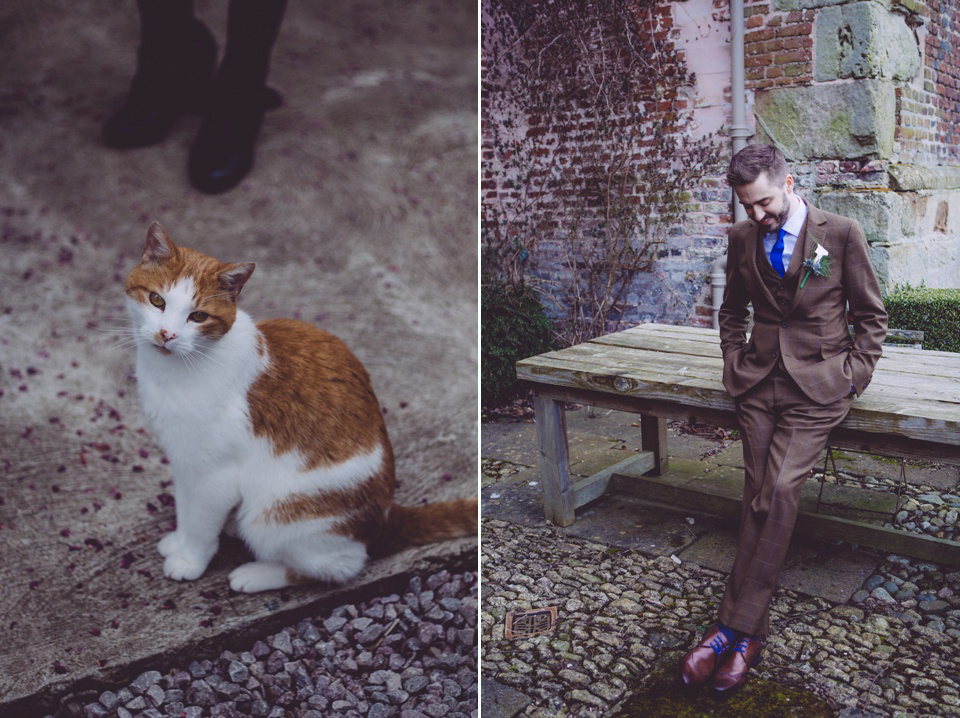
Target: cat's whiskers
(196, 360)
(126, 337)
(191, 363)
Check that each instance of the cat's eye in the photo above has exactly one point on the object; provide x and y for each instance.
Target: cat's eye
(198, 317)
(157, 301)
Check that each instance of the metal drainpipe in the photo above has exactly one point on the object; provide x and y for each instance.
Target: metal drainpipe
(739, 133)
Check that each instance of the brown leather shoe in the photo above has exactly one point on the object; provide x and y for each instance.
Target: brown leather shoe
(699, 664)
(733, 670)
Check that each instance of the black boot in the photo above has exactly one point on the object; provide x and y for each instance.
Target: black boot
(175, 68)
(223, 152)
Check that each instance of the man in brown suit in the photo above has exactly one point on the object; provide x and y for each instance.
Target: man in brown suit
(793, 381)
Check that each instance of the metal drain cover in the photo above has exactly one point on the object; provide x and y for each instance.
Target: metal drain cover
(535, 622)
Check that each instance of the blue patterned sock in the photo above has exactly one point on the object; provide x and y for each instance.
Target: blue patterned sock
(728, 633)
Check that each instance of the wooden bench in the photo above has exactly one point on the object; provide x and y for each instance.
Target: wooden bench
(911, 409)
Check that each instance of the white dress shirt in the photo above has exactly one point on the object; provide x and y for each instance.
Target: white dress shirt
(792, 228)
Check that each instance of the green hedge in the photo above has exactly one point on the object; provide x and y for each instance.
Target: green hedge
(513, 326)
(935, 312)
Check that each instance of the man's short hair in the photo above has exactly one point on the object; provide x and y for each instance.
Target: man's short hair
(753, 160)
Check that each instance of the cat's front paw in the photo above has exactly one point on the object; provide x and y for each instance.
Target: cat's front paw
(170, 544)
(184, 567)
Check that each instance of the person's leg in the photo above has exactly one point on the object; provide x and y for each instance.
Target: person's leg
(160, 22)
(757, 415)
(252, 29)
(224, 149)
(802, 429)
(770, 506)
(757, 418)
(175, 63)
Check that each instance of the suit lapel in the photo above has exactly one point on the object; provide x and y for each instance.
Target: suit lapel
(800, 251)
(813, 232)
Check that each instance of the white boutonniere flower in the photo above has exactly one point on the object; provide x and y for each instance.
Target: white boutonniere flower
(818, 264)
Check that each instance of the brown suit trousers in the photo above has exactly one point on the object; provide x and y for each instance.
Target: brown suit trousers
(791, 382)
(783, 434)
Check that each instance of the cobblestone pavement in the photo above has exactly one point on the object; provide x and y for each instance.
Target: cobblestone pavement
(410, 656)
(892, 651)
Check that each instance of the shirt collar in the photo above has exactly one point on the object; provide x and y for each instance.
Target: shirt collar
(795, 223)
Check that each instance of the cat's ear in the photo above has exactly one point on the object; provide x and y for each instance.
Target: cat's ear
(159, 247)
(233, 278)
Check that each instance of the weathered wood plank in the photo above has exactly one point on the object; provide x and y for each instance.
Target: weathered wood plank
(593, 487)
(808, 523)
(705, 333)
(689, 386)
(905, 335)
(931, 354)
(712, 337)
(926, 420)
(618, 358)
(584, 375)
(663, 409)
(617, 361)
(665, 344)
(913, 361)
(894, 446)
(842, 437)
(554, 459)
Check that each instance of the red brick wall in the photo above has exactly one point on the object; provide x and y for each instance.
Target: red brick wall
(657, 26)
(778, 46)
(928, 118)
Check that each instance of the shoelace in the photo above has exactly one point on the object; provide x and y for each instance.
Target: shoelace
(718, 645)
(741, 647)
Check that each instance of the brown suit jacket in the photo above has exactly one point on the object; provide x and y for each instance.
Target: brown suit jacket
(808, 330)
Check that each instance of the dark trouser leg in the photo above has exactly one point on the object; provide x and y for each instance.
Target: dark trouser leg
(175, 63)
(784, 433)
(162, 22)
(252, 29)
(223, 152)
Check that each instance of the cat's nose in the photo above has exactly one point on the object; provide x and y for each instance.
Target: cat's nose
(163, 336)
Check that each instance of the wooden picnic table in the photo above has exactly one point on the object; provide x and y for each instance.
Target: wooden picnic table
(911, 408)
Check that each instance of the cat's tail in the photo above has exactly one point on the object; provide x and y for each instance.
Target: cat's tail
(417, 525)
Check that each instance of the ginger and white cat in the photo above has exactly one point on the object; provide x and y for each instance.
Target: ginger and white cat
(271, 426)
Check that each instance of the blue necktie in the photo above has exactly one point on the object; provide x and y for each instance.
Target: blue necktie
(776, 254)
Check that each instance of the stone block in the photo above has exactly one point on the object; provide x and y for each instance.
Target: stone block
(910, 245)
(833, 121)
(879, 212)
(864, 40)
(933, 260)
(918, 177)
(890, 217)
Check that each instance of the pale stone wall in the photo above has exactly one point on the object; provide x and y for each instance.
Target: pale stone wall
(873, 100)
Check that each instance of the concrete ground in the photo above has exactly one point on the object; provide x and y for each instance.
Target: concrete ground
(361, 216)
(610, 657)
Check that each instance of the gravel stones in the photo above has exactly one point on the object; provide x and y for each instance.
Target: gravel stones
(924, 592)
(882, 595)
(620, 612)
(144, 681)
(395, 656)
(924, 511)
